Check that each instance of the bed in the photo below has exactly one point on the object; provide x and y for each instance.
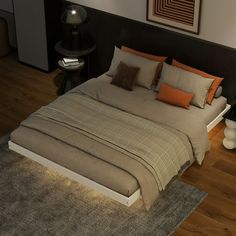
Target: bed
(126, 188)
(50, 136)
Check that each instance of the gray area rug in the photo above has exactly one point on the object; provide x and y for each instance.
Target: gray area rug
(37, 201)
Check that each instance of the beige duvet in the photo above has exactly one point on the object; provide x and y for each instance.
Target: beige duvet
(147, 144)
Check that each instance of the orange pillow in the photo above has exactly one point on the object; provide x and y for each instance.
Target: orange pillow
(215, 84)
(143, 54)
(174, 96)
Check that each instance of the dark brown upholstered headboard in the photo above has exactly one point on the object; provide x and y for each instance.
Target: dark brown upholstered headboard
(108, 30)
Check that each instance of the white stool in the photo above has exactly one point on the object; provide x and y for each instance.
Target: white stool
(229, 141)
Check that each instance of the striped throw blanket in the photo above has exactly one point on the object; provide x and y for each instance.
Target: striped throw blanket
(159, 149)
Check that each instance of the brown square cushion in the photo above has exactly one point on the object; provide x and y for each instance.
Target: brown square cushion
(125, 76)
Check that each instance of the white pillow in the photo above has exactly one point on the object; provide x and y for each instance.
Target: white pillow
(147, 67)
(188, 82)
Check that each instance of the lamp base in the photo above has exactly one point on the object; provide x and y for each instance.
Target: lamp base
(72, 42)
(76, 44)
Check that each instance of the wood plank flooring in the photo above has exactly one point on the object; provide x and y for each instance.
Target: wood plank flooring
(24, 89)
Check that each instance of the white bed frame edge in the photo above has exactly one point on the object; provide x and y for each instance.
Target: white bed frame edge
(218, 119)
(128, 201)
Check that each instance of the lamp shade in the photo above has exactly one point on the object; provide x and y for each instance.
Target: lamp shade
(74, 15)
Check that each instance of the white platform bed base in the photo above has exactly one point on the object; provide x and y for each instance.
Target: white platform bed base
(128, 201)
(218, 119)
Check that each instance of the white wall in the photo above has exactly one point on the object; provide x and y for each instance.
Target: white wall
(218, 17)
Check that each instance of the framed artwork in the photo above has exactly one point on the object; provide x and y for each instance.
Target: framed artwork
(181, 14)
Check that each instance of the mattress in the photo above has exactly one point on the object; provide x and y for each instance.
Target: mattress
(76, 160)
(142, 102)
(208, 114)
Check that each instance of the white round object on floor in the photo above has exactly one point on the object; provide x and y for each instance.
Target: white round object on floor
(231, 124)
(230, 133)
(229, 144)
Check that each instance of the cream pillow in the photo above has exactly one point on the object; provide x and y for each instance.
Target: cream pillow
(147, 67)
(188, 82)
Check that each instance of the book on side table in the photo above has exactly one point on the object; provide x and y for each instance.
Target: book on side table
(70, 62)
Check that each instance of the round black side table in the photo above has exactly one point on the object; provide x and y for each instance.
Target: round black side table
(87, 49)
(72, 73)
(71, 76)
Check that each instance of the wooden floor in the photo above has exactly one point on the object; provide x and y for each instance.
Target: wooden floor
(23, 90)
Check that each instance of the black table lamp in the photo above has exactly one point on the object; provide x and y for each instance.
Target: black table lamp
(73, 16)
